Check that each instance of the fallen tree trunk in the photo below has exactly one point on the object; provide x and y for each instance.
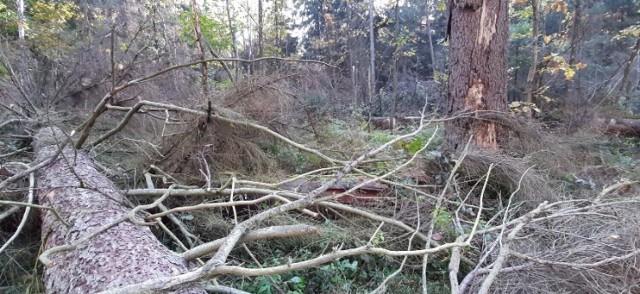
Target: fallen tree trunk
(123, 254)
(623, 126)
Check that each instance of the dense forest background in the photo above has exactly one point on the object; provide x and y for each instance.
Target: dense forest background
(335, 107)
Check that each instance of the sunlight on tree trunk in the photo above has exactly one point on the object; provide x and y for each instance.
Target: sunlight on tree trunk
(20, 4)
(478, 79)
(534, 58)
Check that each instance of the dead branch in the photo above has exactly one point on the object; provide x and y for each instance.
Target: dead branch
(505, 251)
(53, 210)
(228, 204)
(575, 265)
(140, 104)
(259, 234)
(9, 212)
(293, 195)
(168, 284)
(217, 262)
(25, 216)
(18, 121)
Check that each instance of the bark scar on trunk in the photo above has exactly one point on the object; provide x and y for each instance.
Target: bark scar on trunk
(487, 27)
(474, 100)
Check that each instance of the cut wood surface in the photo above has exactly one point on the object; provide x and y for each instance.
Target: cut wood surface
(124, 254)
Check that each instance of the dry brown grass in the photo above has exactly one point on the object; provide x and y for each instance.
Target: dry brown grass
(599, 233)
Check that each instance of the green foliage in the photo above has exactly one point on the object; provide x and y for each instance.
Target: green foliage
(214, 32)
(293, 159)
(444, 221)
(48, 27)
(3, 71)
(623, 154)
(8, 21)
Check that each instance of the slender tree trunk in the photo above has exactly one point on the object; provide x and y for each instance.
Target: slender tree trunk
(573, 85)
(86, 200)
(575, 31)
(478, 78)
(201, 48)
(534, 59)
(372, 62)
(234, 43)
(396, 54)
(276, 21)
(20, 5)
(434, 64)
(260, 29)
(250, 22)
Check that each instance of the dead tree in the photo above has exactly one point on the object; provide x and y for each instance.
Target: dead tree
(96, 245)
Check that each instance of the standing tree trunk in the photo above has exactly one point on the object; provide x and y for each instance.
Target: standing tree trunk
(434, 65)
(573, 85)
(396, 54)
(478, 79)
(123, 254)
(534, 59)
(234, 44)
(20, 4)
(260, 29)
(200, 44)
(372, 63)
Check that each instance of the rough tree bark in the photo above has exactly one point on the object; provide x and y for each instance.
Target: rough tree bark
(478, 78)
(122, 255)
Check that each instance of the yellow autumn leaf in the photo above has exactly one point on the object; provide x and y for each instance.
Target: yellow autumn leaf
(442, 6)
(569, 73)
(547, 39)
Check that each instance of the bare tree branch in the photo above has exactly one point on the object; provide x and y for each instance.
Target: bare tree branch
(25, 216)
(264, 233)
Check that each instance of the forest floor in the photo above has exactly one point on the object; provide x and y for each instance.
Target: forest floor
(570, 171)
